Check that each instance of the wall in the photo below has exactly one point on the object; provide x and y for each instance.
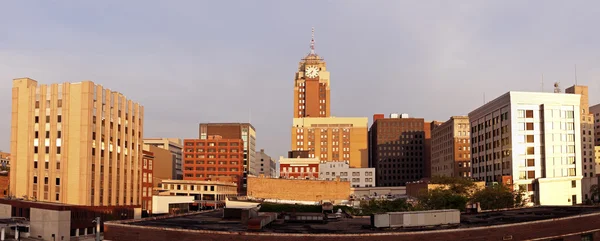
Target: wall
(300, 190)
(46, 222)
(5, 210)
(4, 185)
(567, 229)
(162, 164)
(558, 191)
(160, 204)
(368, 191)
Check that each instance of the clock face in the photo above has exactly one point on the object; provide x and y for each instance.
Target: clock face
(312, 71)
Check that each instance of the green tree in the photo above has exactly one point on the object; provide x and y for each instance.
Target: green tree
(458, 185)
(441, 198)
(495, 197)
(595, 193)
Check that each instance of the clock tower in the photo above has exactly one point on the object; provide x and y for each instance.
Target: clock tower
(311, 86)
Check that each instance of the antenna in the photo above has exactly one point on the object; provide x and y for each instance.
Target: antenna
(312, 42)
(542, 82)
(249, 115)
(484, 98)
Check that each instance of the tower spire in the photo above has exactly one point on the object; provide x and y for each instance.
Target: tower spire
(312, 42)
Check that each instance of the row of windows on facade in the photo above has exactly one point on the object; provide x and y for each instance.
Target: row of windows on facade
(302, 107)
(323, 136)
(344, 174)
(323, 130)
(398, 122)
(320, 112)
(198, 162)
(311, 144)
(209, 175)
(220, 169)
(212, 144)
(401, 148)
(403, 171)
(354, 180)
(208, 188)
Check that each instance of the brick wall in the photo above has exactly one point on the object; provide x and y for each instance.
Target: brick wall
(4, 180)
(566, 229)
(300, 190)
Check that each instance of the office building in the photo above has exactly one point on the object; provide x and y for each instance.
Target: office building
(358, 177)
(595, 111)
(173, 145)
(264, 165)
(451, 148)
(75, 143)
(400, 148)
(147, 181)
(213, 157)
(244, 131)
(341, 139)
(530, 141)
(311, 86)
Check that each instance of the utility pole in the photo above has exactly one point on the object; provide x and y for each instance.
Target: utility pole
(97, 221)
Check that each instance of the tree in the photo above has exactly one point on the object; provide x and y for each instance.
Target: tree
(440, 198)
(458, 185)
(497, 197)
(595, 193)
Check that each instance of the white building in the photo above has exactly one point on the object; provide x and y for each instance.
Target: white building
(358, 177)
(532, 142)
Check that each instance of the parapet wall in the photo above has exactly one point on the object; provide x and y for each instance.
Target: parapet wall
(301, 190)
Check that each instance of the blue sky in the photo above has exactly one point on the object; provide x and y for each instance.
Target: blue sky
(217, 61)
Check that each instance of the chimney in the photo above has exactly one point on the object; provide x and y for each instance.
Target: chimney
(377, 117)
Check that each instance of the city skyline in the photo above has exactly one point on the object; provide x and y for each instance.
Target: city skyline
(172, 55)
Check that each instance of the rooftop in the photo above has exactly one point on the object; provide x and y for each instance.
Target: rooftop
(213, 221)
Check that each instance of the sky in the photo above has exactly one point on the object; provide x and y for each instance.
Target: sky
(189, 62)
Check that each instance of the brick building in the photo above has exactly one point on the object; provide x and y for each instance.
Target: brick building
(451, 148)
(147, 181)
(400, 148)
(298, 190)
(206, 159)
(299, 168)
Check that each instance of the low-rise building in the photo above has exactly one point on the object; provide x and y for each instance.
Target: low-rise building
(264, 165)
(4, 159)
(358, 177)
(206, 193)
(299, 168)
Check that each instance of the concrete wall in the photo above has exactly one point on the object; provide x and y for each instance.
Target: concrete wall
(368, 191)
(160, 204)
(558, 191)
(46, 222)
(5, 211)
(300, 190)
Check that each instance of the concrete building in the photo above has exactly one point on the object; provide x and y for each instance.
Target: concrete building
(332, 138)
(358, 177)
(264, 165)
(400, 148)
(75, 143)
(595, 111)
(531, 141)
(205, 193)
(587, 140)
(311, 86)
(147, 181)
(173, 145)
(206, 159)
(451, 148)
(244, 131)
(4, 159)
(299, 168)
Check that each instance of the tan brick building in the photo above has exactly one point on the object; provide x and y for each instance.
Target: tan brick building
(75, 143)
(451, 148)
(333, 139)
(308, 190)
(163, 164)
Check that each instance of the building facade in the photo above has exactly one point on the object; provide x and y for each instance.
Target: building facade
(400, 148)
(299, 168)
(530, 141)
(147, 181)
(75, 143)
(207, 159)
(451, 148)
(175, 146)
(332, 139)
(201, 190)
(244, 131)
(264, 165)
(163, 164)
(358, 177)
(311, 86)
(4, 159)
(595, 111)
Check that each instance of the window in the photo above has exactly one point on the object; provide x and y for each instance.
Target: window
(47, 134)
(530, 150)
(529, 126)
(37, 119)
(587, 237)
(59, 118)
(47, 119)
(35, 180)
(529, 138)
(573, 184)
(529, 114)
(530, 162)
(58, 150)
(45, 180)
(58, 181)
(530, 174)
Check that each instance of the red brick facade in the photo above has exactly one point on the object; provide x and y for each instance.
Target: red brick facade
(299, 171)
(209, 159)
(566, 229)
(147, 182)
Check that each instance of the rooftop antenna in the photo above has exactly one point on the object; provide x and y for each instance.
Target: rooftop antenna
(542, 82)
(484, 98)
(557, 87)
(312, 42)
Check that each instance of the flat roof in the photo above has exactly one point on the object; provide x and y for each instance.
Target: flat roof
(213, 221)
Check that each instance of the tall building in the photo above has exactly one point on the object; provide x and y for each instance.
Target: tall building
(213, 158)
(332, 139)
(244, 131)
(147, 183)
(75, 143)
(311, 86)
(595, 111)
(400, 148)
(587, 140)
(264, 165)
(530, 141)
(175, 146)
(451, 148)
